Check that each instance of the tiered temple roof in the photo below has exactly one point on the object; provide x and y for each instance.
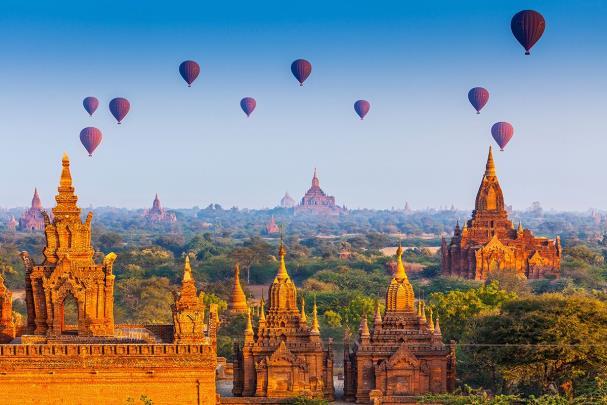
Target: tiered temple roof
(32, 220)
(489, 242)
(315, 201)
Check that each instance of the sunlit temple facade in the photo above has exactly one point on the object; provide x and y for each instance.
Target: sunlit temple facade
(284, 356)
(403, 355)
(94, 359)
(489, 242)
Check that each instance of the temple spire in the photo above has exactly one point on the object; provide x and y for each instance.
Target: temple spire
(282, 268)
(437, 330)
(364, 327)
(315, 181)
(36, 203)
(262, 310)
(490, 168)
(400, 273)
(248, 333)
(187, 271)
(377, 320)
(66, 199)
(238, 299)
(315, 326)
(430, 321)
(304, 318)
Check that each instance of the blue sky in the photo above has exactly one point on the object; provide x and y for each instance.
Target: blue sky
(414, 61)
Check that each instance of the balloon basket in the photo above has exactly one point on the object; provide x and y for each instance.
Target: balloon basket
(501, 150)
(527, 53)
(478, 112)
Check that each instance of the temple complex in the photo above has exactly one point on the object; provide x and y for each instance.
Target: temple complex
(272, 227)
(85, 355)
(157, 214)
(283, 357)
(238, 299)
(287, 201)
(31, 220)
(403, 355)
(315, 201)
(489, 241)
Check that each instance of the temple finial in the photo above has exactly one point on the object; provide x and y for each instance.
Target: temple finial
(490, 168)
(437, 330)
(400, 273)
(249, 330)
(187, 270)
(282, 268)
(304, 318)
(430, 321)
(315, 325)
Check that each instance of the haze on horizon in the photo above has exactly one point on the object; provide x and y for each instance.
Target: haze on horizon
(421, 142)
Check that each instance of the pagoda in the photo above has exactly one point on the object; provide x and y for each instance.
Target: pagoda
(272, 227)
(12, 224)
(403, 355)
(238, 299)
(32, 220)
(315, 201)
(157, 214)
(488, 242)
(283, 357)
(79, 354)
(287, 201)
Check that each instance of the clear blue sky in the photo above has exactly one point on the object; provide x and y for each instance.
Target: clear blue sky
(413, 60)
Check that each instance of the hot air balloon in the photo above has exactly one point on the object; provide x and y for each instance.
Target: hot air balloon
(119, 107)
(301, 69)
(189, 70)
(362, 108)
(528, 27)
(248, 105)
(90, 138)
(502, 133)
(478, 97)
(90, 105)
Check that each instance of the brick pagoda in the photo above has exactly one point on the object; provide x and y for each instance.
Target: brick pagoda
(315, 201)
(31, 220)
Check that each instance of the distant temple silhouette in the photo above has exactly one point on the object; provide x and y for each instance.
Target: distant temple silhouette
(488, 242)
(32, 219)
(315, 201)
(157, 214)
(272, 227)
(287, 201)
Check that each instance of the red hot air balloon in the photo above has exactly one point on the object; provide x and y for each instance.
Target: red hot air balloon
(301, 69)
(90, 105)
(90, 138)
(502, 133)
(362, 107)
(478, 97)
(248, 105)
(189, 70)
(119, 107)
(527, 27)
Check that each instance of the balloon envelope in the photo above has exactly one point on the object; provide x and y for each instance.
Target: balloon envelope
(502, 133)
(90, 104)
(90, 138)
(527, 27)
(478, 97)
(119, 107)
(301, 69)
(189, 70)
(362, 107)
(248, 104)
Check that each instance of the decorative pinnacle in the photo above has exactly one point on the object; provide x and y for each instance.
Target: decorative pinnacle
(400, 273)
(282, 267)
(315, 325)
(490, 168)
(187, 270)
(304, 318)
(249, 330)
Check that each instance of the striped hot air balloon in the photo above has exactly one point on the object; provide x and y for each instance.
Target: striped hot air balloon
(248, 104)
(119, 107)
(528, 27)
(502, 133)
(91, 138)
(90, 104)
(478, 97)
(189, 70)
(362, 107)
(301, 69)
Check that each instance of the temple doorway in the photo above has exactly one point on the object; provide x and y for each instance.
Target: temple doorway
(70, 315)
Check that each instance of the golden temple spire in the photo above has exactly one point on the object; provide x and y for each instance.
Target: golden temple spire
(400, 273)
(248, 333)
(282, 268)
(423, 309)
(187, 270)
(490, 168)
(262, 310)
(364, 327)
(437, 330)
(238, 299)
(430, 321)
(66, 207)
(315, 325)
(520, 227)
(304, 318)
